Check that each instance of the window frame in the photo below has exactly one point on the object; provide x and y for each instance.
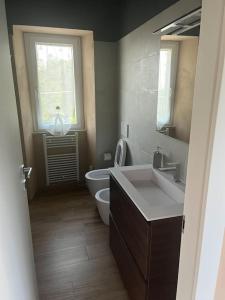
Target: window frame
(30, 39)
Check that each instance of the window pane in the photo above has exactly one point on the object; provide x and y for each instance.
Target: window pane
(164, 92)
(56, 84)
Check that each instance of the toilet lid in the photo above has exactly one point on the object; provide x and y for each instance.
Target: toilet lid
(120, 156)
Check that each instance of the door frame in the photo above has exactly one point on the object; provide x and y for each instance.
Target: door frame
(204, 206)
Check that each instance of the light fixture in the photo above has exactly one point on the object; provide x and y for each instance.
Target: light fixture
(183, 24)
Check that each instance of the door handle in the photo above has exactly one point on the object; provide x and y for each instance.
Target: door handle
(27, 172)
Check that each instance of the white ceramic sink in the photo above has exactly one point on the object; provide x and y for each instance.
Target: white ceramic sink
(154, 193)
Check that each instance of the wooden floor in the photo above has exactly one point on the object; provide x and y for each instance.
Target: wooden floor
(72, 255)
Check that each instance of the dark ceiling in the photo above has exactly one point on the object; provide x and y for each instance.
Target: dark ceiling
(110, 20)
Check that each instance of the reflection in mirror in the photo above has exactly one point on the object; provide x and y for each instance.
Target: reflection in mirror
(178, 59)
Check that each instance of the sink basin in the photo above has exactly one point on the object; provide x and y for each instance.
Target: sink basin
(155, 194)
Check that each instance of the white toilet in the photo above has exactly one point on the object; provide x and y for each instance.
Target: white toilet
(99, 179)
(102, 201)
(98, 182)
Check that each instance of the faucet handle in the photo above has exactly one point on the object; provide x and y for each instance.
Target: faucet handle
(163, 160)
(177, 173)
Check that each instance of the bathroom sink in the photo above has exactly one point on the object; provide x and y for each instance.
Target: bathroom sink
(156, 196)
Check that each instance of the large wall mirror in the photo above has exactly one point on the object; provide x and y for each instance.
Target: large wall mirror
(177, 66)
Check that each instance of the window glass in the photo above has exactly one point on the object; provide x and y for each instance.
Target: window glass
(164, 91)
(56, 83)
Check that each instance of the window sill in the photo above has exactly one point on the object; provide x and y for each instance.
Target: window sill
(46, 132)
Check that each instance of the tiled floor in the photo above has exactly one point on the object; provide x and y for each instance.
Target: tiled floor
(72, 255)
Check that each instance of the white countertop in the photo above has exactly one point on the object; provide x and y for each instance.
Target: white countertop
(154, 193)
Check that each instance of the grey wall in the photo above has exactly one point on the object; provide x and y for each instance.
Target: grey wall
(106, 70)
(138, 60)
(98, 15)
(109, 19)
(135, 12)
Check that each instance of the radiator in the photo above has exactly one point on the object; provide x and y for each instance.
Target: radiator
(61, 158)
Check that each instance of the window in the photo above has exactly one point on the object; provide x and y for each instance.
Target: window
(164, 96)
(55, 76)
(166, 84)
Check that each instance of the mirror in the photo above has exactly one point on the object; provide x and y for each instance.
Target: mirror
(177, 66)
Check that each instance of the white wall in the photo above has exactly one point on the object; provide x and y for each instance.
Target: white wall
(138, 82)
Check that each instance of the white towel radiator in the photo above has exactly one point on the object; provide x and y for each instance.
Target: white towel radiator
(61, 158)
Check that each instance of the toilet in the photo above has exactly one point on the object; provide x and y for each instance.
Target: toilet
(98, 182)
(99, 179)
(102, 202)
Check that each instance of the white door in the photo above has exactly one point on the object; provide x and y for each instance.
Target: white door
(204, 206)
(17, 273)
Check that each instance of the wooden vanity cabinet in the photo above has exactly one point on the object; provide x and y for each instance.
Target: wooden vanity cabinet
(147, 252)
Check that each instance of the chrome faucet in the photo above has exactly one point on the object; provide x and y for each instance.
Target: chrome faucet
(173, 166)
(159, 163)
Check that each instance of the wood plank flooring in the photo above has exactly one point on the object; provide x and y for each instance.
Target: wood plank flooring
(71, 249)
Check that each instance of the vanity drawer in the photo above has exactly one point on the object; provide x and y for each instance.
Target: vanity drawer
(131, 224)
(165, 250)
(131, 275)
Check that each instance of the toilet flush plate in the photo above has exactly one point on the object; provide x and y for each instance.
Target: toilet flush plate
(107, 156)
(124, 129)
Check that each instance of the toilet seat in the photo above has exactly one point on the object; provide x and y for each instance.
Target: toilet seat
(99, 179)
(120, 155)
